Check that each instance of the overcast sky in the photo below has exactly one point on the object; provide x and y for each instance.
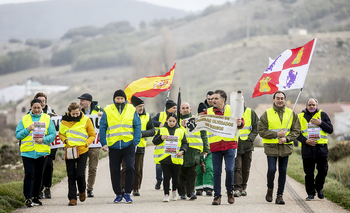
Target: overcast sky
(188, 5)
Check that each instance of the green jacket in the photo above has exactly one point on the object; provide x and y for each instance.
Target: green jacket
(278, 150)
(248, 145)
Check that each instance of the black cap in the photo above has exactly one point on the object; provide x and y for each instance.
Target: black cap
(86, 96)
(136, 101)
(119, 92)
(201, 108)
(169, 104)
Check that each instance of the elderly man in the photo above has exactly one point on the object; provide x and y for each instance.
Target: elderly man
(278, 135)
(223, 148)
(147, 130)
(90, 107)
(120, 133)
(315, 125)
(197, 143)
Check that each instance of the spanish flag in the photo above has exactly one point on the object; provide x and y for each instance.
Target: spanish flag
(150, 86)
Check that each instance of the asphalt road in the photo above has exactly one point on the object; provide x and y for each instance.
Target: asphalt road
(151, 199)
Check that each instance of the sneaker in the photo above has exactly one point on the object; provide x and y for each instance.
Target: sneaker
(209, 192)
(310, 197)
(192, 196)
(174, 196)
(216, 201)
(166, 198)
(244, 193)
(199, 192)
(320, 194)
(118, 199)
(127, 198)
(237, 193)
(136, 193)
(279, 200)
(47, 193)
(89, 193)
(183, 197)
(41, 195)
(230, 197)
(158, 185)
(268, 196)
(36, 202)
(29, 202)
(72, 202)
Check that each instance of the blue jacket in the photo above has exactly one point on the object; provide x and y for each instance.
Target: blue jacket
(121, 144)
(22, 132)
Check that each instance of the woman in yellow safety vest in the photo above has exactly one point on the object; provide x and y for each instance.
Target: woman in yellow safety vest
(76, 130)
(34, 148)
(171, 145)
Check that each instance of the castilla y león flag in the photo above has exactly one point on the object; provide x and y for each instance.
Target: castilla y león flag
(287, 72)
(150, 86)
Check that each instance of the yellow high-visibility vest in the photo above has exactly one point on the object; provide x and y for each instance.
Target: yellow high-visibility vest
(194, 140)
(159, 150)
(120, 126)
(144, 120)
(77, 134)
(161, 119)
(275, 125)
(27, 143)
(247, 129)
(303, 123)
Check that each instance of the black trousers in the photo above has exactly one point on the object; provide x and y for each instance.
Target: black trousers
(33, 173)
(312, 184)
(187, 180)
(170, 171)
(76, 175)
(116, 157)
(48, 170)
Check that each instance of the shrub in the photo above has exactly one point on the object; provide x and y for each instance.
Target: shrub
(87, 31)
(339, 151)
(41, 43)
(117, 27)
(62, 57)
(13, 40)
(19, 60)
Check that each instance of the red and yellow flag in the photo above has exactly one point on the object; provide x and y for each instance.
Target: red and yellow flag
(150, 86)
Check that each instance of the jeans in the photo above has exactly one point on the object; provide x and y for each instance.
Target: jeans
(159, 172)
(138, 171)
(217, 157)
(33, 173)
(282, 172)
(76, 175)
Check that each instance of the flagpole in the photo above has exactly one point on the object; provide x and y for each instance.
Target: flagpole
(301, 89)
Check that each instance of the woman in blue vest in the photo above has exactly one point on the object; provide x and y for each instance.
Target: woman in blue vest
(171, 145)
(34, 150)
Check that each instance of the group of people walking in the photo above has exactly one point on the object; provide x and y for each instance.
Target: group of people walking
(193, 163)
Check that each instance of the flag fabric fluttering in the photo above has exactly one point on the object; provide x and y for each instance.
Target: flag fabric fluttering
(287, 72)
(150, 86)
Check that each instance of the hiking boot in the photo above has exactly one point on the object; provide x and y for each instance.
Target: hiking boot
(237, 193)
(82, 196)
(320, 194)
(89, 193)
(244, 193)
(47, 193)
(183, 197)
(36, 202)
(199, 192)
(118, 199)
(269, 195)
(127, 198)
(72, 202)
(216, 201)
(192, 196)
(174, 196)
(209, 192)
(136, 193)
(279, 200)
(166, 198)
(310, 198)
(29, 202)
(230, 197)
(158, 185)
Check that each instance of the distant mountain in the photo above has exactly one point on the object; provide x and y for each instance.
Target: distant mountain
(51, 19)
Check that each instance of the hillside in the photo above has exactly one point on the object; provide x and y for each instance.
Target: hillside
(51, 19)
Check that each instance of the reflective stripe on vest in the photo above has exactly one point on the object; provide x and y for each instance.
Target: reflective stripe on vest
(161, 119)
(194, 140)
(120, 126)
(275, 125)
(144, 120)
(159, 151)
(303, 123)
(76, 134)
(212, 138)
(245, 131)
(27, 143)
